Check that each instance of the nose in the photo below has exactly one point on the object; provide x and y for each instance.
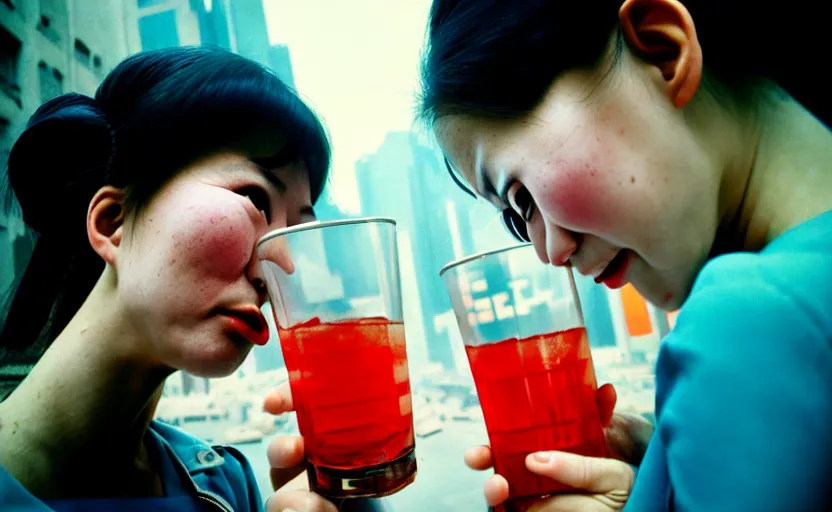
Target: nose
(561, 244)
(272, 255)
(552, 243)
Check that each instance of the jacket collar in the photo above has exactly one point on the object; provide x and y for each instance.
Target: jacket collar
(195, 455)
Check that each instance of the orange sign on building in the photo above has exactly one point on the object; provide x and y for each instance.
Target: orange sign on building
(636, 313)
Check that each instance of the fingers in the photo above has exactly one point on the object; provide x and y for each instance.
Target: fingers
(496, 487)
(606, 398)
(298, 501)
(282, 476)
(279, 400)
(628, 437)
(285, 458)
(495, 490)
(578, 503)
(478, 457)
(286, 451)
(592, 474)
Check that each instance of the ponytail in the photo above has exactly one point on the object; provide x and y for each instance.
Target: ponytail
(55, 167)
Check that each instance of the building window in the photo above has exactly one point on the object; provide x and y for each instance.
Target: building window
(159, 30)
(82, 52)
(51, 82)
(9, 61)
(98, 66)
(45, 27)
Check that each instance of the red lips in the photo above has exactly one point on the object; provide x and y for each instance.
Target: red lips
(614, 276)
(248, 322)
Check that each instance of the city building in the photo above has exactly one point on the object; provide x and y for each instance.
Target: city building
(406, 180)
(48, 48)
(281, 63)
(638, 325)
(238, 25)
(247, 25)
(169, 23)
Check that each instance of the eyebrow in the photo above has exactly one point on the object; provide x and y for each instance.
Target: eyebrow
(278, 184)
(270, 177)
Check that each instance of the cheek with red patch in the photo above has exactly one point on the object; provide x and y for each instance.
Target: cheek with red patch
(216, 242)
(576, 194)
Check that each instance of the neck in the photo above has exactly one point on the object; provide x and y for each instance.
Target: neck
(88, 402)
(781, 177)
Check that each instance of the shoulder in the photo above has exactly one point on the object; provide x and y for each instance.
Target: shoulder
(222, 470)
(786, 287)
(744, 380)
(762, 310)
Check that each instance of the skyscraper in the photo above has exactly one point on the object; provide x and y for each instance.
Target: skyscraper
(405, 180)
(249, 33)
(595, 302)
(281, 62)
(48, 49)
(213, 23)
(236, 25)
(170, 23)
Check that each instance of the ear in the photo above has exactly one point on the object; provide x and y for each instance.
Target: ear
(105, 222)
(662, 33)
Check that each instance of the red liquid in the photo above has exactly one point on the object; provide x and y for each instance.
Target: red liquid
(352, 395)
(537, 394)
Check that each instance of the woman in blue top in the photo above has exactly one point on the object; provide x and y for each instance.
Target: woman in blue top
(683, 147)
(147, 201)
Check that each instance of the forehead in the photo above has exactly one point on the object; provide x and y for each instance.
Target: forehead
(463, 139)
(567, 102)
(223, 163)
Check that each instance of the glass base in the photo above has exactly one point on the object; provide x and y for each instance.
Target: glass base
(366, 482)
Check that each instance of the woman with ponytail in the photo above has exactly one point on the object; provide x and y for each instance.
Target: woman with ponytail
(147, 201)
(683, 147)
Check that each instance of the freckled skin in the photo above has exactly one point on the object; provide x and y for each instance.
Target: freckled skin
(571, 194)
(609, 168)
(191, 252)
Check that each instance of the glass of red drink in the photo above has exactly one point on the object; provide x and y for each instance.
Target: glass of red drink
(335, 294)
(527, 347)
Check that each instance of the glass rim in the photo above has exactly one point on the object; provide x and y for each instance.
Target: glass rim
(481, 254)
(320, 224)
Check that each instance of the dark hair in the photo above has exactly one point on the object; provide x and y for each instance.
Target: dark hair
(154, 114)
(498, 58)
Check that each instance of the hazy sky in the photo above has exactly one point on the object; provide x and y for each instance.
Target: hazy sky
(356, 62)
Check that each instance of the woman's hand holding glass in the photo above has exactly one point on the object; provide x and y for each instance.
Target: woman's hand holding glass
(286, 456)
(606, 482)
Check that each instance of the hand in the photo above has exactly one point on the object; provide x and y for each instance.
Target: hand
(286, 461)
(607, 482)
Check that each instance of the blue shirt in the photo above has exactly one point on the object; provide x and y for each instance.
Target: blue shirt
(195, 476)
(744, 385)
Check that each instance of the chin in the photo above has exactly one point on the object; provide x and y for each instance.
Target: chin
(213, 358)
(213, 369)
